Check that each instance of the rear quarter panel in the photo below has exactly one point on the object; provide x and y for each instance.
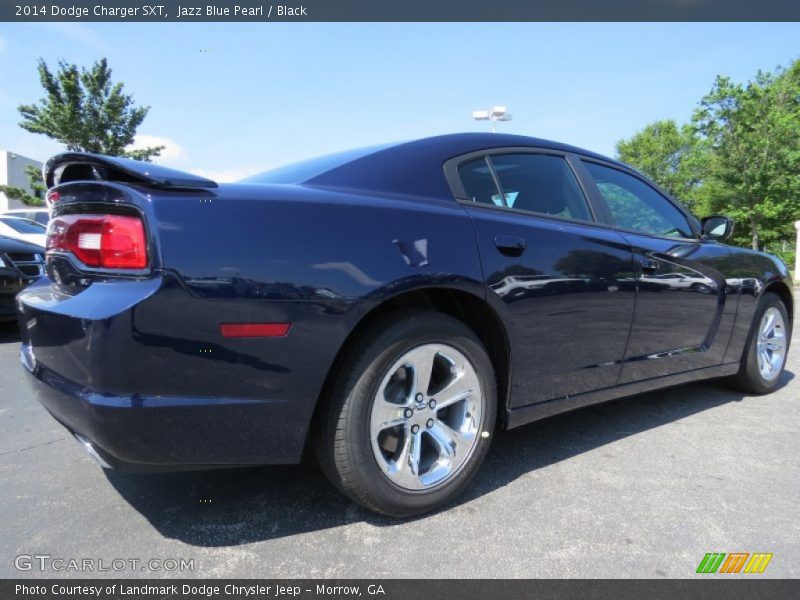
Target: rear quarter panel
(317, 259)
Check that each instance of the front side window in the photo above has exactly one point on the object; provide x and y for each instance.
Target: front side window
(636, 206)
(540, 183)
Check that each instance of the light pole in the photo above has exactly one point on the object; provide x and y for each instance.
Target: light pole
(498, 113)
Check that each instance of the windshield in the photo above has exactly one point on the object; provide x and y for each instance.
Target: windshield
(23, 225)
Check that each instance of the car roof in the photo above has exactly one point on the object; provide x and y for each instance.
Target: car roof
(410, 168)
(455, 144)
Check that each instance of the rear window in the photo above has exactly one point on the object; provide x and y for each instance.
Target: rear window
(22, 226)
(313, 167)
(40, 217)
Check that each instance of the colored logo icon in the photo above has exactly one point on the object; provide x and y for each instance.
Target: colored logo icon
(734, 562)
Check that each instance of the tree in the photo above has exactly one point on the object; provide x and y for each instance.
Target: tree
(36, 198)
(753, 131)
(86, 112)
(739, 156)
(670, 155)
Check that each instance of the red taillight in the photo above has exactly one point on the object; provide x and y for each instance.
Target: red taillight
(51, 198)
(106, 241)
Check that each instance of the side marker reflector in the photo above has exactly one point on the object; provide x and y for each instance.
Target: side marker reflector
(254, 329)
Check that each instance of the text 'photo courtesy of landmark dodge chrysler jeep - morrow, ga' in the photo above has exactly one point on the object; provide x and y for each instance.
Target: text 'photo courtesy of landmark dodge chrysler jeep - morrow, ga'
(390, 308)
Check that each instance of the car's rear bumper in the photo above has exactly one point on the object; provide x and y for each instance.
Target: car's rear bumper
(146, 433)
(137, 371)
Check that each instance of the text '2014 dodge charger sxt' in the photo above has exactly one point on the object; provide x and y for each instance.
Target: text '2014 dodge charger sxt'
(390, 307)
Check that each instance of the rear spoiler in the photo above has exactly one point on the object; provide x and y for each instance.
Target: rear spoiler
(82, 166)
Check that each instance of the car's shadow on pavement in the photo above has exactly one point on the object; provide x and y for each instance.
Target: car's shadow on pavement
(9, 332)
(239, 506)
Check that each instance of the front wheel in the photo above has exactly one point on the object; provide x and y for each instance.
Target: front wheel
(410, 417)
(765, 355)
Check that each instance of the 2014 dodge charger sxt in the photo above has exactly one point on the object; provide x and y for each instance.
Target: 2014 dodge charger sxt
(391, 307)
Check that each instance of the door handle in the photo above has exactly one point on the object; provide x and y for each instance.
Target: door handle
(648, 265)
(510, 245)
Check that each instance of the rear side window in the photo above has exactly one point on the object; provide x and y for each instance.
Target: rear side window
(476, 177)
(540, 183)
(637, 206)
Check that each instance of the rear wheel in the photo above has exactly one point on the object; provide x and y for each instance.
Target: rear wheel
(409, 419)
(765, 355)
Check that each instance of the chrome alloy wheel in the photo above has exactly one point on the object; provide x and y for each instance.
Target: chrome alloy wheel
(771, 344)
(426, 417)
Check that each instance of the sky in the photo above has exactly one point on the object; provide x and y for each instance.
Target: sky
(230, 100)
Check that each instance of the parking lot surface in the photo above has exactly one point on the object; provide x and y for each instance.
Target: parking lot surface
(641, 487)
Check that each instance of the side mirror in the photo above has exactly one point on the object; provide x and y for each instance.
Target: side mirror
(717, 227)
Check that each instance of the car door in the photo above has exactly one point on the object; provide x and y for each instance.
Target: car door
(560, 274)
(683, 316)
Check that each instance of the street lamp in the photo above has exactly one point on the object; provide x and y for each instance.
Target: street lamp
(498, 113)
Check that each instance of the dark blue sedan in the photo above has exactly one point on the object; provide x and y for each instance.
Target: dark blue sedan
(391, 308)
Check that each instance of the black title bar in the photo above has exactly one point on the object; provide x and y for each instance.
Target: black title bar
(398, 10)
(397, 589)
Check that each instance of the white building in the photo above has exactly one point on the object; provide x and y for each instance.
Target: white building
(12, 172)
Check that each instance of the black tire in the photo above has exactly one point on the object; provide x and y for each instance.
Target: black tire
(749, 378)
(342, 427)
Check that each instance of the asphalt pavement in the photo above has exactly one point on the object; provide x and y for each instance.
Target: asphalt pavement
(641, 487)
